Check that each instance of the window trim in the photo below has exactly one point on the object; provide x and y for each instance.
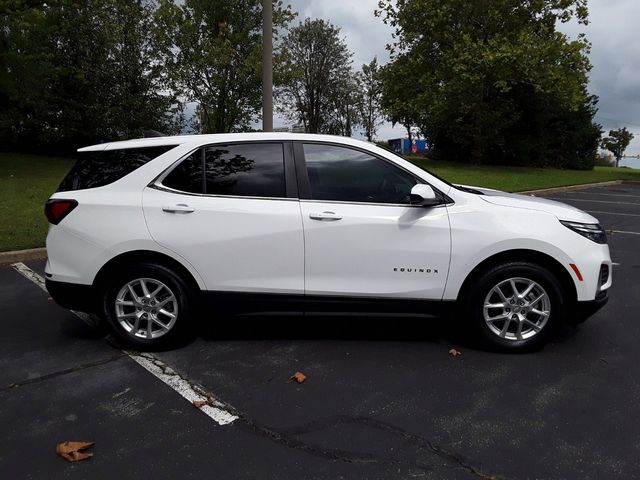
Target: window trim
(291, 186)
(304, 185)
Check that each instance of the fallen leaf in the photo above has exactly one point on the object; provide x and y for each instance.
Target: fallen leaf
(455, 352)
(70, 451)
(298, 377)
(199, 403)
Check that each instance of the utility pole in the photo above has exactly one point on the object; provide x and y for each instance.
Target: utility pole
(267, 66)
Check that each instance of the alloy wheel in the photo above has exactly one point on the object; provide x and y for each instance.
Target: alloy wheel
(517, 309)
(146, 308)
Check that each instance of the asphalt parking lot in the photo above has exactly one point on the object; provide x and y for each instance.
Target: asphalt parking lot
(383, 398)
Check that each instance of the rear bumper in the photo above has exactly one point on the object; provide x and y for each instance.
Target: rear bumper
(72, 295)
(584, 310)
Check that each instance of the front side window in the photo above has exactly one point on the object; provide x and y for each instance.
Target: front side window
(348, 175)
(243, 170)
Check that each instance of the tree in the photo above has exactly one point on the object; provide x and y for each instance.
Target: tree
(138, 96)
(80, 72)
(23, 68)
(344, 112)
(617, 142)
(317, 77)
(212, 54)
(481, 72)
(371, 90)
(400, 93)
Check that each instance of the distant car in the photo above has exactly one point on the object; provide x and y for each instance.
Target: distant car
(155, 232)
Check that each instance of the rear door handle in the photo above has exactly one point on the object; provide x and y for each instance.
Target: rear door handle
(325, 216)
(179, 208)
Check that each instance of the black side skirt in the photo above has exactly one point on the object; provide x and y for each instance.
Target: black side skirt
(83, 298)
(243, 302)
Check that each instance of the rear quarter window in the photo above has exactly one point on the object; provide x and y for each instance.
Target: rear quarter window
(97, 169)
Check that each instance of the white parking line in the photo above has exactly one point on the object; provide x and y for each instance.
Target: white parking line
(564, 199)
(614, 213)
(623, 231)
(30, 274)
(607, 194)
(211, 407)
(39, 281)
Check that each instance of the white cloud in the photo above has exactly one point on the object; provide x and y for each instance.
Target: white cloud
(366, 35)
(615, 56)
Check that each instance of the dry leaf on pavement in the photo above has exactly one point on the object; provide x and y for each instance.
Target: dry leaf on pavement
(455, 352)
(70, 451)
(199, 403)
(298, 377)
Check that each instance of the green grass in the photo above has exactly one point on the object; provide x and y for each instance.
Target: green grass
(518, 179)
(26, 181)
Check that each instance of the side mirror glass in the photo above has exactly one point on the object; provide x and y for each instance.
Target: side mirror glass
(423, 195)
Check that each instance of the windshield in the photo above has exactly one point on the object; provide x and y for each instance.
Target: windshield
(419, 166)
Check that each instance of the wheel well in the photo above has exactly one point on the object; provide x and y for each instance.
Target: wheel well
(523, 255)
(124, 259)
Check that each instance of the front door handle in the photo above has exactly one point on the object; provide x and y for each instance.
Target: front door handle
(325, 216)
(179, 208)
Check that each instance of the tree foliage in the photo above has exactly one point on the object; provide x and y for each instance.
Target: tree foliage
(212, 54)
(400, 93)
(617, 142)
(318, 87)
(371, 93)
(344, 112)
(479, 71)
(79, 72)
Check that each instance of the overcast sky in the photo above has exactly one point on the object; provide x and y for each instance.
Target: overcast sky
(612, 30)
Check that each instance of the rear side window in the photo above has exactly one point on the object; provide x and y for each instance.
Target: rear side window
(187, 176)
(243, 170)
(97, 169)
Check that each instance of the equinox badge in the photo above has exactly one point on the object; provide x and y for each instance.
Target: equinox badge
(414, 270)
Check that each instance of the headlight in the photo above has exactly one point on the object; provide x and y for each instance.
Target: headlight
(593, 231)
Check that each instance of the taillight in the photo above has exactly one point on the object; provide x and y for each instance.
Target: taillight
(55, 210)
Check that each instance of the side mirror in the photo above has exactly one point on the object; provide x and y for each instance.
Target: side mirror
(423, 195)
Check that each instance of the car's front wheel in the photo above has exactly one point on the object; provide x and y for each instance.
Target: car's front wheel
(147, 305)
(515, 306)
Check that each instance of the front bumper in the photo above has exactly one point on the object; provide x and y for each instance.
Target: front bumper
(72, 295)
(584, 310)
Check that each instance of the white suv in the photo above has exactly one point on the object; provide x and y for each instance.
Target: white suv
(155, 232)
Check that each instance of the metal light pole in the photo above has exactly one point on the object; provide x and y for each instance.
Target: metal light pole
(267, 66)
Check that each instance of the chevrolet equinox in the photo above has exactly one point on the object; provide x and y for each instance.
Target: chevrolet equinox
(153, 233)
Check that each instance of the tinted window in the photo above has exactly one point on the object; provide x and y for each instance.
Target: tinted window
(348, 175)
(187, 176)
(249, 170)
(96, 169)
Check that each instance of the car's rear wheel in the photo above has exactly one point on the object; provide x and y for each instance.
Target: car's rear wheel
(147, 306)
(516, 306)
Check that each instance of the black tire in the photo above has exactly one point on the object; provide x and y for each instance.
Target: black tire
(474, 306)
(183, 304)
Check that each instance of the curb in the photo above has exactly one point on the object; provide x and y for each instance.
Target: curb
(569, 188)
(22, 255)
